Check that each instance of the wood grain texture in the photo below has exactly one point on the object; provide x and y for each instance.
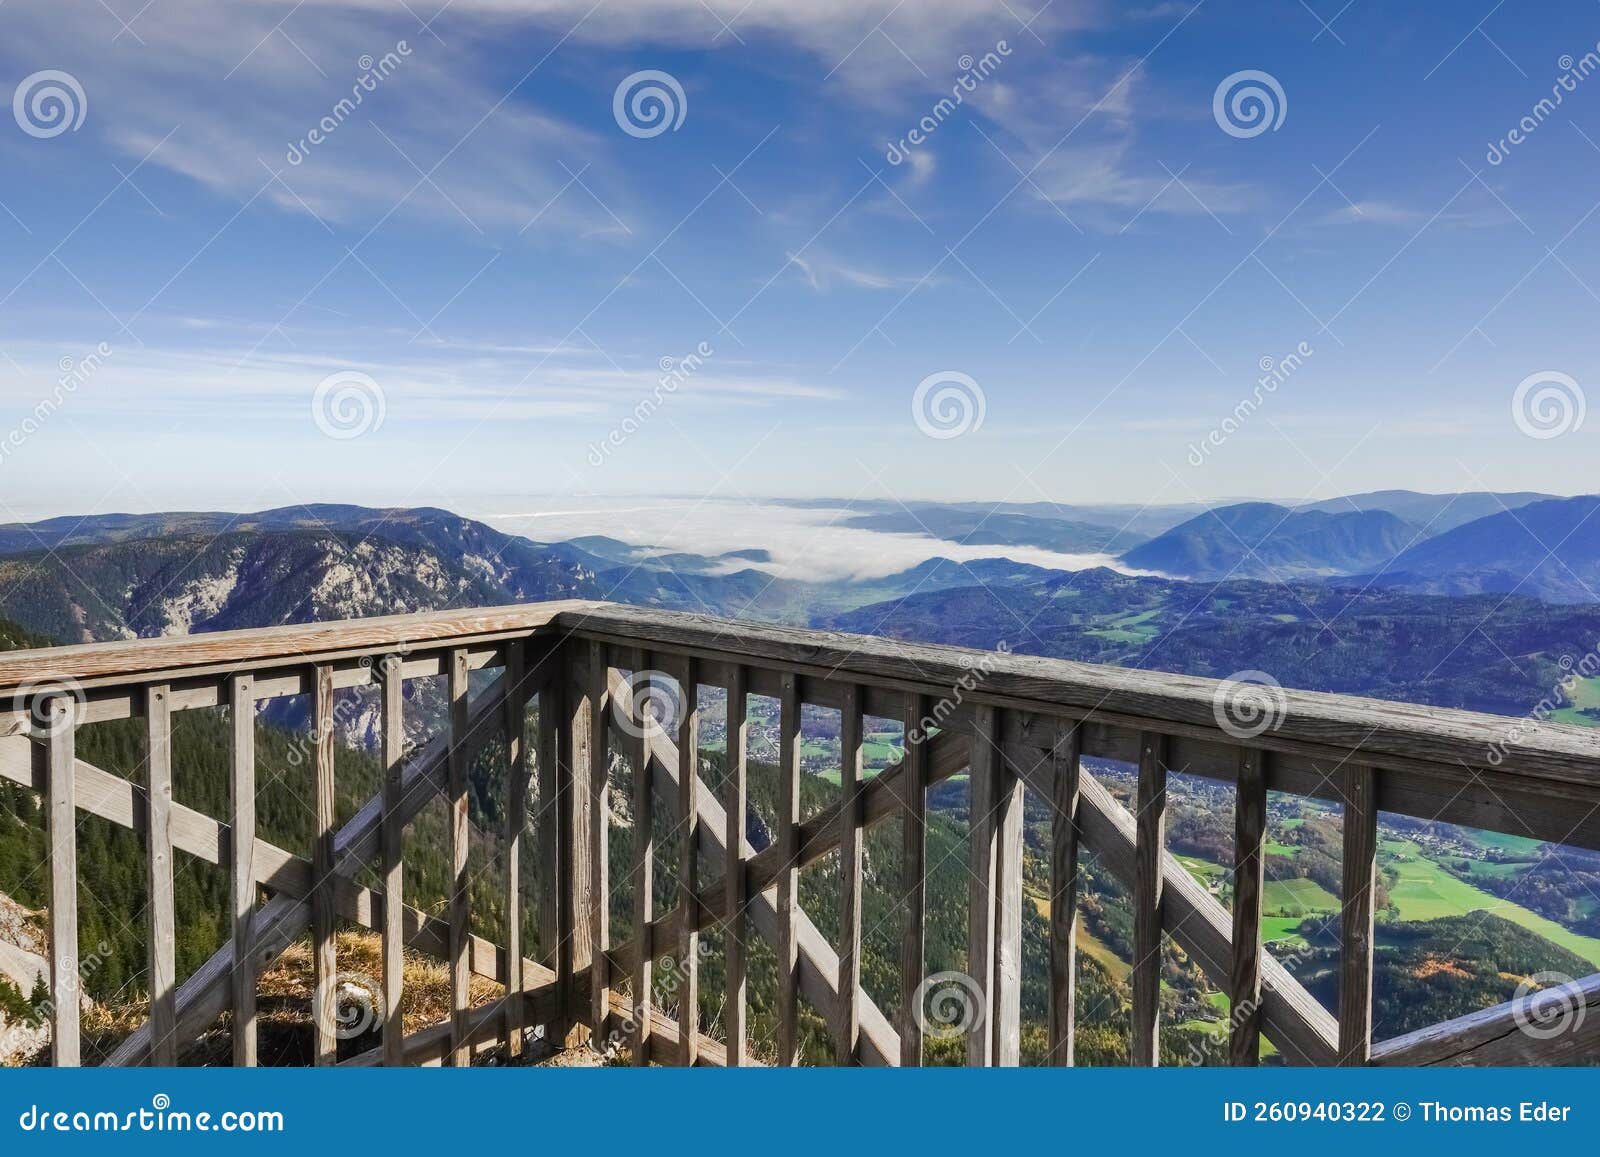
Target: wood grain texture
(241, 863)
(982, 886)
(1356, 914)
(1063, 770)
(60, 796)
(847, 1029)
(644, 865)
(1148, 886)
(598, 852)
(392, 861)
(324, 909)
(460, 836)
(518, 781)
(1568, 1016)
(913, 775)
(1249, 882)
(161, 922)
(689, 879)
(789, 871)
(1006, 1003)
(735, 803)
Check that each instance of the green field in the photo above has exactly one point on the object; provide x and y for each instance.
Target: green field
(1585, 693)
(1425, 891)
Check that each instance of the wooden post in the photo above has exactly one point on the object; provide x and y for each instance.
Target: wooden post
(460, 835)
(981, 886)
(242, 829)
(1355, 939)
(1065, 836)
(644, 860)
(1005, 1002)
(392, 851)
(517, 781)
(736, 805)
(689, 882)
(1151, 828)
(599, 850)
(576, 827)
(61, 808)
(1249, 881)
(789, 874)
(162, 922)
(324, 913)
(851, 817)
(914, 878)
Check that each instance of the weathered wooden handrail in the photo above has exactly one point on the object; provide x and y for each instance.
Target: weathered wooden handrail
(1016, 724)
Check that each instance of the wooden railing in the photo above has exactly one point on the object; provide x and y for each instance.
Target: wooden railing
(1014, 724)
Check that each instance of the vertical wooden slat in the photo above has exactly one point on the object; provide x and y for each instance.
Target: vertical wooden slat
(644, 862)
(735, 803)
(598, 852)
(1356, 902)
(162, 920)
(460, 1054)
(548, 684)
(61, 806)
(324, 926)
(574, 709)
(1151, 825)
(517, 781)
(392, 848)
(914, 879)
(242, 833)
(847, 1032)
(1006, 1001)
(981, 886)
(689, 882)
(789, 874)
(1249, 863)
(1064, 839)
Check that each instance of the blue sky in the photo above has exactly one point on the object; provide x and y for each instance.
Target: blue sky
(483, 249)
